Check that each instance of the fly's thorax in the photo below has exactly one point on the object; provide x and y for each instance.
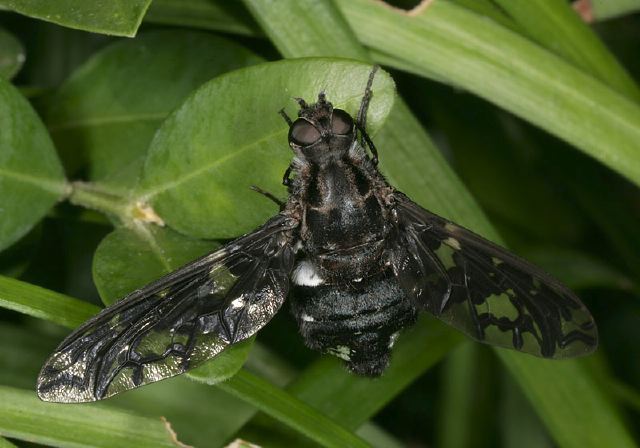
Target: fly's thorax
(341, 206)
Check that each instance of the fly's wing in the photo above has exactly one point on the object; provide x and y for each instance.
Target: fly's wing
(483, 290)
(177, 322)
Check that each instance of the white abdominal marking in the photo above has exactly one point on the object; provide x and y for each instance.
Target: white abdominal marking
(238, 303)
(341, 351)
(305, 274)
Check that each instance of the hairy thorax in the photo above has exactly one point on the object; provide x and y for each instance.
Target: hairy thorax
(344, 222)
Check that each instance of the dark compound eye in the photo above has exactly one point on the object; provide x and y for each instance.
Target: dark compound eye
(303, 133)
(341, 122)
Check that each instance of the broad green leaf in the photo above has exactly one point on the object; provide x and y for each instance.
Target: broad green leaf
(43, 303)
(556, 26)
(217, 15)
(503, 67)
(31, 177)
(108, 111)
(11, 55)
(128, 259)
(117, 17)
(229, 136)
(23, 416)
(225, 365)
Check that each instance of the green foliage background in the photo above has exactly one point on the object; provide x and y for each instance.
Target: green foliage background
(513, 118)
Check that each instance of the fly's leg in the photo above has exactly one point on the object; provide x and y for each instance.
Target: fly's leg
(268, 195)
(361, 119)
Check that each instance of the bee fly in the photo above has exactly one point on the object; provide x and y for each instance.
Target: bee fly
(361, 259)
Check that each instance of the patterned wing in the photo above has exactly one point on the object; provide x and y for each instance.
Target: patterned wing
(488, 293)
(177, 322)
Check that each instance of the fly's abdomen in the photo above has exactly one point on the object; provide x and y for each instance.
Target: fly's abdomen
(358, 322)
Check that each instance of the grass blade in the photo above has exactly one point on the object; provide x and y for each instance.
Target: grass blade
(499, 65)
(43, 303)
(290, 411)
(216, 15)
(556, 26)
(116, 17)
(608, 9)
(24, 416)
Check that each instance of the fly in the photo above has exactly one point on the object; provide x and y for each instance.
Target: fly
(358, 260)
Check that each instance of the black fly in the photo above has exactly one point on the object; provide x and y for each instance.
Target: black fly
(362, 260)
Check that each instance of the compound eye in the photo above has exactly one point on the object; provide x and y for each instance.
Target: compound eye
(341, 122)
(303, 133)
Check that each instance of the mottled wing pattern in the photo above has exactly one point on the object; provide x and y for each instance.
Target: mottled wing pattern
(177, 322)
(480, 288)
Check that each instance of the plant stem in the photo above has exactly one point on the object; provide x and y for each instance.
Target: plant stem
(89, 196)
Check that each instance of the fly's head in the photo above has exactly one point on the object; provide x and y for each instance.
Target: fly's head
(320, 132)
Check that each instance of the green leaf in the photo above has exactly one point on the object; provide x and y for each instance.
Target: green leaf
(229, 136)
(291, 411)
(117, 17)
(519, 427)
(305, 15)
(217, 15)
(22, 359)
(556, 26)
(43, 303)
(579, 270)
(466, 412)
(24, 417)
(608, 9)
(12, 55)
(31, 177)
(484, 142)
(499, 65)
(490, 9)
(108, 111)
(128, 259)
(568, 401)
(4, 443)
